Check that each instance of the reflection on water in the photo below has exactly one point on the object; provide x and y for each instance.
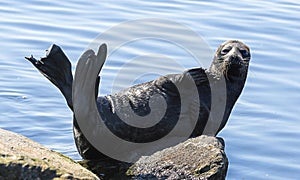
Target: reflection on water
(262, 133)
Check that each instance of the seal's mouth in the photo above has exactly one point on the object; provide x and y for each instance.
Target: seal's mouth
(233, 66)
(233, 70)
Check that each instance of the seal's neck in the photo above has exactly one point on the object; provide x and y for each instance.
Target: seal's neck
(225, 93)
(234, 87)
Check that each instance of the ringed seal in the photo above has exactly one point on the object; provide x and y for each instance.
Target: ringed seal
(229, 69)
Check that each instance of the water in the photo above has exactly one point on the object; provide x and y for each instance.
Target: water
(262, 133)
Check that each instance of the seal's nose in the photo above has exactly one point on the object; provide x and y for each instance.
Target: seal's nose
(235, 56)
(235, 52)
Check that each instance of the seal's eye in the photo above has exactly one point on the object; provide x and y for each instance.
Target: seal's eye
(225, 51)
(244, 53)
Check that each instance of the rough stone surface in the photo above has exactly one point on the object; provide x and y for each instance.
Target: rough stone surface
(198, 158)
(22, 158)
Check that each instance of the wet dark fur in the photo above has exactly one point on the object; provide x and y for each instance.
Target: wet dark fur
(231, 67)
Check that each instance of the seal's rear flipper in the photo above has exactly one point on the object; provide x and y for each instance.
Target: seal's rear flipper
(57, 68)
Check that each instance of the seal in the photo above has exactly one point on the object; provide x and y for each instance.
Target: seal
(218, 88)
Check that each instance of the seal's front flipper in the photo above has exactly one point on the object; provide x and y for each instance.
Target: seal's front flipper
(57, 68)
(86, 79)
(85, 89)
(97, 87)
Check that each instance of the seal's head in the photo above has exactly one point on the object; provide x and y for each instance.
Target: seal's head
(231, 60)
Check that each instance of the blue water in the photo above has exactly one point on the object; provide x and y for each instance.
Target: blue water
(262, 135)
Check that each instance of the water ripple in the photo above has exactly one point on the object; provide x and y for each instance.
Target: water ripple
(261, 135)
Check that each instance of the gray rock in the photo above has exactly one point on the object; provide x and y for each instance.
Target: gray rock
(198, 158)
(22, 158)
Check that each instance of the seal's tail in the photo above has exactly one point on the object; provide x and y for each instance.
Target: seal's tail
(57, 68)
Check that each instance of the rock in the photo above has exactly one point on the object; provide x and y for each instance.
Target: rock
(22, 158)
(197, 158)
